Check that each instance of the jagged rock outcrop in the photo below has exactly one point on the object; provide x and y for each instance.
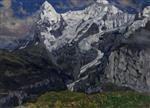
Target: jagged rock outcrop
(130, 65)
(86, 39)
(85, 48)
(130, 68)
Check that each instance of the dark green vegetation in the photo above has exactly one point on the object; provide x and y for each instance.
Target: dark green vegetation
(22, 68)
(27, 66)
(24, 61)
(27, 70)
(66, 99)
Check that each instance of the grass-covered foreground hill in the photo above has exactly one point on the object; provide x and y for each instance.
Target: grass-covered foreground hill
(66, 99)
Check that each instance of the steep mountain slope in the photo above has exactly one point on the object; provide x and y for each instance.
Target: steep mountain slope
(25, 74)
(130, 64)
(80, 42)
(78, 50)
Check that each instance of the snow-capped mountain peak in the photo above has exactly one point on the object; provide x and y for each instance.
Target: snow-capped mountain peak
(102, 1)
(69, 35)
(49, 13)
(74, 24)
(146, 11)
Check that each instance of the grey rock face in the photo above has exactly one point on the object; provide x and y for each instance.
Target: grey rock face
(130, 65)
(98, 44)
(130, 68)
(80, 42)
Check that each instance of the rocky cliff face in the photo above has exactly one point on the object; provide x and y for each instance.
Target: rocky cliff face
(79, 50)
(130, 64)
(81, 42)
(130, 68)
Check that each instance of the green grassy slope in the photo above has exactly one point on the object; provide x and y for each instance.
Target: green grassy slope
(66, 99)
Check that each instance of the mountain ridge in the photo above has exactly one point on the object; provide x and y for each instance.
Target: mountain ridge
(87, 27)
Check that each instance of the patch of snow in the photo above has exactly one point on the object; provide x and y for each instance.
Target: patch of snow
(71, 85)
(146, 11)
(102, 1)
(78, 23)
(49, 12)
(96, 61)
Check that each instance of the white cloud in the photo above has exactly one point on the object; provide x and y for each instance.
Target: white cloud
(10, 25)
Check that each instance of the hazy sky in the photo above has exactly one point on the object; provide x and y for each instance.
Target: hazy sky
(12, 11)
(13, 24)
